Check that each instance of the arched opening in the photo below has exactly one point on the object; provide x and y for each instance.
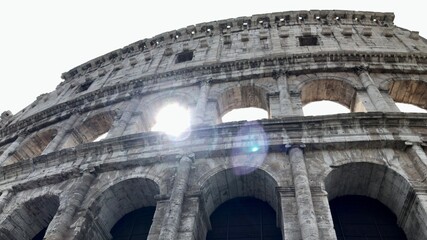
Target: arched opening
(244, 218)
(112, 205)
(247, 102)
(31, 220)
(134, 225)
(360, 217)
(238, 182)
(409, 91)
(248, 114)
(383, 184)
(33, 147)
(407, 107)
(324, 107)
(90, 130)
(321, 97)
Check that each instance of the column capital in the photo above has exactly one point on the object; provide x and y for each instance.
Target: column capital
(186, 156)
(287, 147)
(280, 73)
(361, 69)
(206, 82)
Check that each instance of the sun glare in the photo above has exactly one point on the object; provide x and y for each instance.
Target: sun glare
(248, 114)
(173, 120)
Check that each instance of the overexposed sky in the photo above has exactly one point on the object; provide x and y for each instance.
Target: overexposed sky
(39, 40)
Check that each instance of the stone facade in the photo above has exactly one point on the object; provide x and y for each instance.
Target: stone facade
(54, 176)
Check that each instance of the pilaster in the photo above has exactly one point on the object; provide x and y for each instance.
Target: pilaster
(62, 133)
(198, 116)
(373, 92)
(60, 223)
(12, 148)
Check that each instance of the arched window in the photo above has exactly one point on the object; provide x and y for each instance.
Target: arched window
(322, 97)
(244, 218)
(360, 217)
(407, 107)
(248, 114)
(134, 225)
(412, 91)
(243, 103)
(324, 107)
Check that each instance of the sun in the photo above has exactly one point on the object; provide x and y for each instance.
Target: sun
(173, 120)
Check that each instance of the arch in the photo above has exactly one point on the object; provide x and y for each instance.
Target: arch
(90, 129)
(30, 218)
(334, 90)
(116, 201)
(33, 146)
(244, 218)
(241, 96)
(378, 182)
(409, 91)
(359, 217)
(225, 184)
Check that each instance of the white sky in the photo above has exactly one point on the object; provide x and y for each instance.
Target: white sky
(39, 40)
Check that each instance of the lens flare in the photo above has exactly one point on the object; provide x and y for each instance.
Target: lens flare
(250, 148)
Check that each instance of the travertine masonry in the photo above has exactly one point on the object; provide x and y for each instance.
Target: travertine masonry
(54, 176)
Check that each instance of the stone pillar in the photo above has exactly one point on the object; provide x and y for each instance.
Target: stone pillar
(120, 125)
(4, 198)
(162, 206)
(11, 148)
(201, 103)
(62, 133)
(62, 220)
(193, 220)
(285, 108)
(172, 219)
(323, 213)
(372, 90)
(289, 213)
(306, 215)
(419, 158)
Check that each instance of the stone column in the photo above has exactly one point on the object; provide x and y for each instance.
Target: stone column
(172, 219)
(372, 90)
(4, 198)
(120, 125)
(286, 108)
(193, 220)
(306, 216)
(201, 103)
(12, 148)
(62, 133)
(289, 213)
(62, 220)
(323, 213)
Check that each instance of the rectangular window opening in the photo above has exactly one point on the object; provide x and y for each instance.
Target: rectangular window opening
(184, 57)
(308, 41)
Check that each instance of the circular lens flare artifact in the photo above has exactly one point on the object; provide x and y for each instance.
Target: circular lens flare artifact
(250, 148)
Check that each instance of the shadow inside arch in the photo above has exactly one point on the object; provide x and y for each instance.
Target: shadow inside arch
(383, 184)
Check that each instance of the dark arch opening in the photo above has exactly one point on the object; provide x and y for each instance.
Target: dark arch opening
(134, 225)
(359, 217)
(244, 218)
(40, 235)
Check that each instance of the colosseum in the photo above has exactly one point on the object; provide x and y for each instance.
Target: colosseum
(356, 175)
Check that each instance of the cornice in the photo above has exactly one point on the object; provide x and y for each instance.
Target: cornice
(91, 154)
(226, 26)
(336, 61)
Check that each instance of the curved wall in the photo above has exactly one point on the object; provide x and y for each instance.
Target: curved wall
(278, 62)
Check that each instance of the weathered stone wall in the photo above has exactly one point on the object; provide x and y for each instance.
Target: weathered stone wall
(52, 174)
